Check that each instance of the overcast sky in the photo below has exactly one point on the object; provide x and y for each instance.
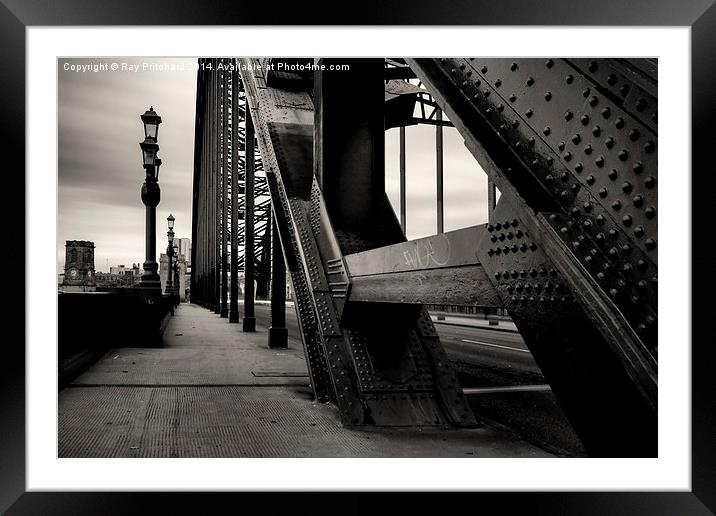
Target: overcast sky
(100, 168)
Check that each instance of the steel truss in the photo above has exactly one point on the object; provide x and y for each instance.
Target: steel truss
(570, 250)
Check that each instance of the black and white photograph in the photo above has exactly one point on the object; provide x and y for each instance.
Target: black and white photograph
(396, 257)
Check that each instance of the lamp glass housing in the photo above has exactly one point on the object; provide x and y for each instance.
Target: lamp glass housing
(151, 121)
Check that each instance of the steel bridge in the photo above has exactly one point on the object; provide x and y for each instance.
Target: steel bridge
(289, 177)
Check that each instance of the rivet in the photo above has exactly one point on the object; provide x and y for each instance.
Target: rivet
(549, 63)
(498, 83)
(638, 167)
(529, 113)
(599, 161)
(486, 93)
(634, 135)
(484, 69)
(609, 142)
(640, 104)
(587, 206)
(567, 156)
(513, 66)
(626, 187)
(590, 181)
(568, 115)
(513, 97)
(546, 130)
(500, 107)
(569, 79)
(619, 124)
(616, 205)
(596, 130)
(627, 220)
(650, 243)
(611, 79)
(587, 149)
(593, 66)
(639, 231)
(606, 112)
(624, 90)
(650, 212)
(576, 139)
(561, 146)
(579, 167)
(603, 192)
(623, 155)
(649, 146)
(593, 101)
(530, 81)
(584, 119)
(650, 181)
(548, 96)
(531, 141)
(613, 174)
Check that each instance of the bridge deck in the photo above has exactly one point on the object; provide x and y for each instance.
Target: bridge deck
(214, 391)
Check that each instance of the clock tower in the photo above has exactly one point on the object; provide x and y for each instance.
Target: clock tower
(79, 263)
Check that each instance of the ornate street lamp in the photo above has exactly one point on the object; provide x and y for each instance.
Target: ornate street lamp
(150, 196)
(170, 254)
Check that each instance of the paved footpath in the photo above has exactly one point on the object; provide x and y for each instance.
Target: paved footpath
(214, 391)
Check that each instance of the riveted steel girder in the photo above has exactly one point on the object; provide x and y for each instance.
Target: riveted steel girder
(381, 364)
(571, 145)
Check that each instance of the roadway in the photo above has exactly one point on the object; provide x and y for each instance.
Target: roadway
(501, 379)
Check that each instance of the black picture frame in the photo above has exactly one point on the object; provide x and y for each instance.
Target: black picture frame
(700, 16)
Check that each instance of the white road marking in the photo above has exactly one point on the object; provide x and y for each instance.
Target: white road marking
(495, 345)
(509, 388)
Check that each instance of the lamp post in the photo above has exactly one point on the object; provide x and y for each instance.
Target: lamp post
(170, 254)
(150, 196)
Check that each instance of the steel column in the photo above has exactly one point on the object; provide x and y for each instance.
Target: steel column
(224, 312)
(403, 218)
(216, 199)
(249, 258)
(439, 171)
(278, 333)
(234, 303)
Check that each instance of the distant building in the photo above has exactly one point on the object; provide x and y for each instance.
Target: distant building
(119, 276)
(184, 245)
(79, 264)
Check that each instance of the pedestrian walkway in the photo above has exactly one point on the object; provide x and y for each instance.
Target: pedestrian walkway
(214, 391)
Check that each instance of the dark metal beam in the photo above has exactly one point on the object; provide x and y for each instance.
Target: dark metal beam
(249, 245)
(235, 110)
(439, 172)
(224, 312)
(403, 218)
(278, 333)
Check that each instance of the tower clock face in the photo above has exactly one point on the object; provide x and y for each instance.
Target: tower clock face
(74, 274)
